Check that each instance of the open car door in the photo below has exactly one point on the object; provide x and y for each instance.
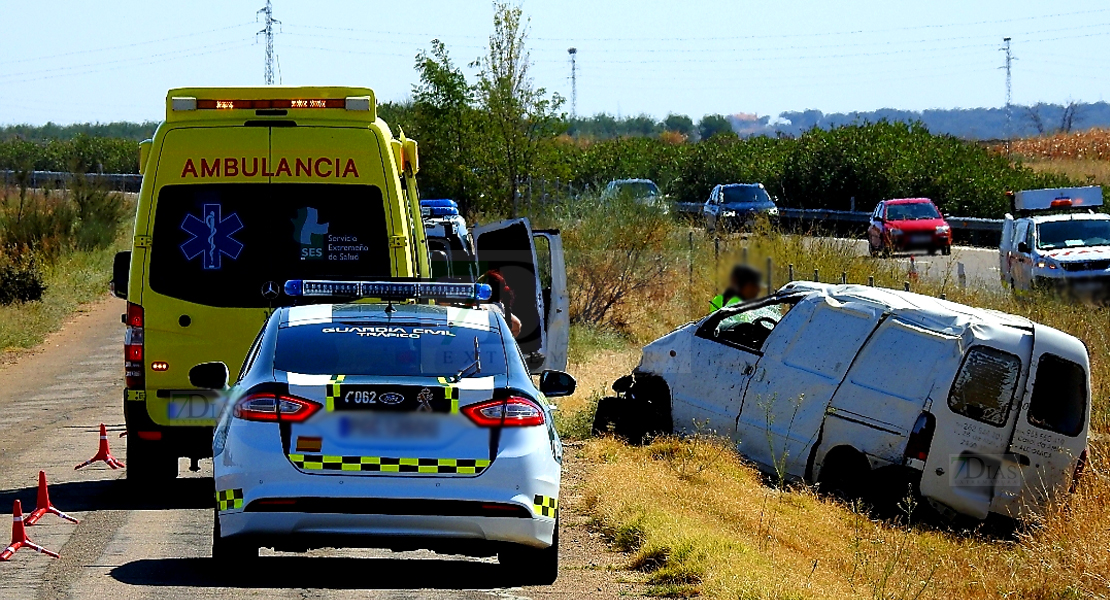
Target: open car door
(553, 284)
(509, 248)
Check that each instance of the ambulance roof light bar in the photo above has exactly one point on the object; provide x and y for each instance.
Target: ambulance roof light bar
(352, 103)
(389, 290)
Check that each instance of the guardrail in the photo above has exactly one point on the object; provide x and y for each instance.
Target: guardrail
(965, 230)
(122, 182)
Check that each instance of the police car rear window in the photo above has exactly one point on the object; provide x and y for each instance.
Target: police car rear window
(221, 244)
(387, 350)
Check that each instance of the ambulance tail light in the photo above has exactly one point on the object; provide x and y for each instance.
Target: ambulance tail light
(134, 376)
(513, 411)
(353, 103)
(266, 406)
(921, 437)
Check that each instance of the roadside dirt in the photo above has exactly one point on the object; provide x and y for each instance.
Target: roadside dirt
(135, 545)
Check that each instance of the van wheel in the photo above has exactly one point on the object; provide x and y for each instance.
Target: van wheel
(230, 552)
(528, 565)
(146, 464)
(845, 473)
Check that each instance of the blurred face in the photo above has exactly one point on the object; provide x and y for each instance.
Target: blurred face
(749, 291)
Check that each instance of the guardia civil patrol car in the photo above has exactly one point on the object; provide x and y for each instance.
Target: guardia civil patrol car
(401, 426)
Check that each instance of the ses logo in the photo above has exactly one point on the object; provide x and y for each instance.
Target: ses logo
(310, 233)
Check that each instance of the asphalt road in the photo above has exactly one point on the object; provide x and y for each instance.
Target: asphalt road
(134, 545)
(980, 264)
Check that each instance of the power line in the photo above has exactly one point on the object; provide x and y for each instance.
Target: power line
(268, 31)
(131, 45)
(1009, 88)
(573, 81)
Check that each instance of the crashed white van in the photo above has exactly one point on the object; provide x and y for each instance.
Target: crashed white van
(856, 386)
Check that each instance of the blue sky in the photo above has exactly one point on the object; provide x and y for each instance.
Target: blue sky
(84, 61)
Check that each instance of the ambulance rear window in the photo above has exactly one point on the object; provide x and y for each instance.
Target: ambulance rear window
(224, 244)
(1059, 401)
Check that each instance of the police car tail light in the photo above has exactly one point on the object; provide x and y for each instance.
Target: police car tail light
(921, 437)
(389, 290)
(513, 411)
(134, 377)
(265, 407)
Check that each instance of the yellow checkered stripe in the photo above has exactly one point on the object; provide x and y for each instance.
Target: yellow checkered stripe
(382, 464)
(332, 391)
(546, 506)
(451, 393)
(229, 499)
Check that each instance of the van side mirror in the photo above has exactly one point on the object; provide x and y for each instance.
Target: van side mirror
(209, 376)
(555, 384)
(121, 270)
(1023, 247)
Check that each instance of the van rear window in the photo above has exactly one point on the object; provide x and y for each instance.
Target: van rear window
(985, 386)
(1059, 401)
(220, 244)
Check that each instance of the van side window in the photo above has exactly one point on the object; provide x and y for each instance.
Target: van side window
(984, 389)
(1059, 401)
(748, 327)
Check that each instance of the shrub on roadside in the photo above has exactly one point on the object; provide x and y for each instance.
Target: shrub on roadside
(21, 281)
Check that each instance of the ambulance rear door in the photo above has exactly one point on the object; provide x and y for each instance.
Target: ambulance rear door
(509, 248)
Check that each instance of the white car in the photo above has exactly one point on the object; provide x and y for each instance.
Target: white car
(388, 425)
(868, 390)
(1067, 252)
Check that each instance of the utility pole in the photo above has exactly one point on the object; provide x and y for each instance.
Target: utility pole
(1009, 92)
(268, 31)
(573, 81)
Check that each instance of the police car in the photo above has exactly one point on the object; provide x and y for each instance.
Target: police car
(1057, 242)
(388, 425)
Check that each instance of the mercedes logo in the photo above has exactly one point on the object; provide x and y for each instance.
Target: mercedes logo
(270, 290)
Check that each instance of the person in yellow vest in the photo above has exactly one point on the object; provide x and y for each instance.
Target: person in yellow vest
(745, 285)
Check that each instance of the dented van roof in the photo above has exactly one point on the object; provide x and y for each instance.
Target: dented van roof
(924, 311)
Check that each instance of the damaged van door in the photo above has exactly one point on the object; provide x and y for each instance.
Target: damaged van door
(538, 287)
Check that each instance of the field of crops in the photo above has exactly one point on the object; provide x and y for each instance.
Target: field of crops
(1093, 144)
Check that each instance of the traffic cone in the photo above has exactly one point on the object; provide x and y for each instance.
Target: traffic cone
(43, 505)
(19, 536)
(103, 453)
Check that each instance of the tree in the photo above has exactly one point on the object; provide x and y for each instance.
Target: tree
(711, 125)
(522, 119)
(679, 124)
(443, 113)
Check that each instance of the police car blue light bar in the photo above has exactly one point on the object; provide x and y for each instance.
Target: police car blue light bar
(439, 208)
(389, 290)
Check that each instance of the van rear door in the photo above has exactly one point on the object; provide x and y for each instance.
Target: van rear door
(508, 247)
(968, 461)
(1051, 430)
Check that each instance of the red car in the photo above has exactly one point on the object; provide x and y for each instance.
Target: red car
(908, 224)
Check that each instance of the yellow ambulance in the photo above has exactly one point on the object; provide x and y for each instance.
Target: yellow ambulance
(243, 189)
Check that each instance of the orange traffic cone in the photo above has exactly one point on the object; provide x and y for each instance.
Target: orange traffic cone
(103, 453)
(43, 505)
(19, 536)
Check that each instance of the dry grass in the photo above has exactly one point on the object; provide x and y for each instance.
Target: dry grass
(702, 522)
(1091, 171)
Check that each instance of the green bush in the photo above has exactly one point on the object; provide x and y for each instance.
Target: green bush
(21, 281)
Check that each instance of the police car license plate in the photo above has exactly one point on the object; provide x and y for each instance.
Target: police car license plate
(394, 398)
(192, 406)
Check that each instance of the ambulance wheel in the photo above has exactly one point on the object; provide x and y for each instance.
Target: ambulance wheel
(533, 566)
(146, 464)
(230, 552)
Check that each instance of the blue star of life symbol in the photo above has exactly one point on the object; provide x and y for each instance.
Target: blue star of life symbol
(211, 236)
